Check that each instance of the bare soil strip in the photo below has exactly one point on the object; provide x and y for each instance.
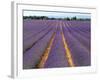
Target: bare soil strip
(68, 53)
(46, 52)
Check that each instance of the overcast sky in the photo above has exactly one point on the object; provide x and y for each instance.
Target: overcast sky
(56, 14)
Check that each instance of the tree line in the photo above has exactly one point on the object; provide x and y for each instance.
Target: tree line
(48, 18)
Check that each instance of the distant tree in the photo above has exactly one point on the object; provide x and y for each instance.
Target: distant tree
(74, 18)
(60, 18)
(67, 18)
(53, 18)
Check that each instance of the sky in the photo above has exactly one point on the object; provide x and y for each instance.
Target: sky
(56, 14)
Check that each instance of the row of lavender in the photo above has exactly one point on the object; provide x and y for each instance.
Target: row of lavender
(37, 34)
(78, 37)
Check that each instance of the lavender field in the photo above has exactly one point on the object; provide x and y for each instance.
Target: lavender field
(56, 43)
